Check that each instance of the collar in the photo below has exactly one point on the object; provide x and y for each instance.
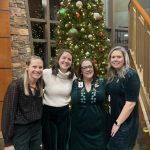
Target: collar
(63, 75)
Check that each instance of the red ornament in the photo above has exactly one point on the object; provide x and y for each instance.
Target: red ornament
(101, 50)
(101, 34)
(77, 15)
(94, 61)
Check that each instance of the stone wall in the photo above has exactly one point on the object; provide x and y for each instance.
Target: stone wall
(20, 44)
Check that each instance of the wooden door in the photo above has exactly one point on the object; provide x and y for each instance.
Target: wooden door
(5, 50)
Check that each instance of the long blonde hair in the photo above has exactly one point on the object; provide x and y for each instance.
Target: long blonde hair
(26, 77)
(111, 72)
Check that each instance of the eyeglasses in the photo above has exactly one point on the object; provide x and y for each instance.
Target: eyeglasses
(87, 67)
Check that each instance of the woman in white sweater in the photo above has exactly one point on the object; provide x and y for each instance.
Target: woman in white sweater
(56, 119)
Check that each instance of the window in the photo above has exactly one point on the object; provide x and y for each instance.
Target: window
(42, 19)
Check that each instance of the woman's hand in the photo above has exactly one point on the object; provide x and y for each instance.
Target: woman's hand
(125, 113)
(9, 148)
(114, 129)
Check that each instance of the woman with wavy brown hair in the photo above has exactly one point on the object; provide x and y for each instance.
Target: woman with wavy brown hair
(89, 119)
(56, 117)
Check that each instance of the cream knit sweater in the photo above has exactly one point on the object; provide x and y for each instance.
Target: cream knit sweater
(57, 88)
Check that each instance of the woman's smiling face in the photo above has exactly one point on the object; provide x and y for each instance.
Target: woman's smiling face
(35, 69)
(117, 59)
(65, 61)
(87, 69)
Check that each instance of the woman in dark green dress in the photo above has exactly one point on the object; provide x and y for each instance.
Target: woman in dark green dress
(123, 89)
(89, 129)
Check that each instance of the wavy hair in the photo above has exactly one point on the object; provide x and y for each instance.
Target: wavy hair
(111, 72)
(56, 66)
(26, 77)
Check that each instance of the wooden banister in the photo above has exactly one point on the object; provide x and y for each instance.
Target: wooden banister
(142, 11)
(139, 45)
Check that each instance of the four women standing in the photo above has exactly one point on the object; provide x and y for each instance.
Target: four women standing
(21, 119)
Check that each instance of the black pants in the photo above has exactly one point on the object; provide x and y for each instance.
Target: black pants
(28, 137)
(55, 127)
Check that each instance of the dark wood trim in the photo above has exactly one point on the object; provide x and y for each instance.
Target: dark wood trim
(53, 41)
(47, 25)
(37, 20)
(54, 21)
(47, 28)
(39, 40)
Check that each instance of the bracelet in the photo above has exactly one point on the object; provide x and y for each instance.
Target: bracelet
(117, 124)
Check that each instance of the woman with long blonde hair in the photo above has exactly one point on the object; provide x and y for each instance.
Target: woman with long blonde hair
(22, 109)
(123, 87)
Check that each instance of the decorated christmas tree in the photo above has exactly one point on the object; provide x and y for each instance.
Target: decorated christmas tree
(81, 29)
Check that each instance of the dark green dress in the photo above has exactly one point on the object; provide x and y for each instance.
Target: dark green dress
(88, 117)
(120, 91)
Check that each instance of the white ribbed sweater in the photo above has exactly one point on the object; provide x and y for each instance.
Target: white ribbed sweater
(57, 88)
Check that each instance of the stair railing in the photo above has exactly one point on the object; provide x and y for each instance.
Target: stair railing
(139, 45)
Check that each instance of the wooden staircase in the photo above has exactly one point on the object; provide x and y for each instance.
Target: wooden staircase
(139, 46)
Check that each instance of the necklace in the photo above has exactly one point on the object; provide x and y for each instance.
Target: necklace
(33, 87)
(93, 93)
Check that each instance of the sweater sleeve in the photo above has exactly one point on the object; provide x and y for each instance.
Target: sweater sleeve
(8, 113)
(132, 86)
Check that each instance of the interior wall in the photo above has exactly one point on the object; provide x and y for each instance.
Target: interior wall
(5, 50)
(117, 9)
(121, 13)
(106, 12)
